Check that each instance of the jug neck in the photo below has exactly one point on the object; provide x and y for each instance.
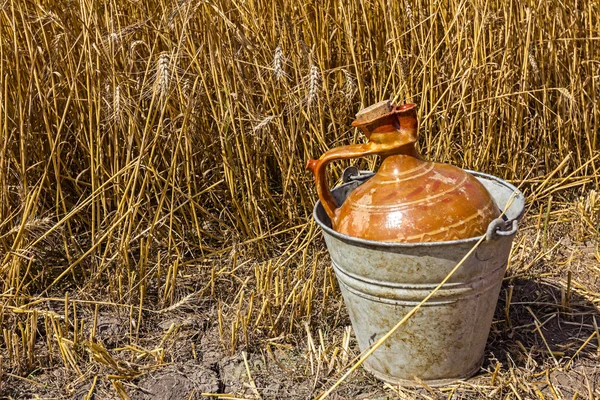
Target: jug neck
(390, 128)
(408, 150)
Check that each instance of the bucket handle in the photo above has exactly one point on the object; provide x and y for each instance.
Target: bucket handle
(501, 228)
(352, 174)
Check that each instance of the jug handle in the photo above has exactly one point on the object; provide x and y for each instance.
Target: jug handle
(318, 169)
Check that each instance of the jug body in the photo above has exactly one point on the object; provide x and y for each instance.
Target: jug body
(411, 200)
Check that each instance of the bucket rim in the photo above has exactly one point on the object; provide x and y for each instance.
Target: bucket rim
(375, 243)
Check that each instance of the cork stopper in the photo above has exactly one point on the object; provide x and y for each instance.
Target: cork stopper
(373, 112)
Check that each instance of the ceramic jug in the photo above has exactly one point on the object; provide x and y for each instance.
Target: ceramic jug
(408, 199)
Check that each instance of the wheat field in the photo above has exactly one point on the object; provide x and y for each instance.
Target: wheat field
(156, 236)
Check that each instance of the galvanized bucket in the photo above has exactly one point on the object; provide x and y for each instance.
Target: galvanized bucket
(381, 282)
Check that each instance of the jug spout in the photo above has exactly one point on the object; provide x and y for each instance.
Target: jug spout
(389, 125)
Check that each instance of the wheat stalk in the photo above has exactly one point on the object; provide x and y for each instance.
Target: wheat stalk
(163, 77)
(314, 83)
(350, 88)
(278, 63)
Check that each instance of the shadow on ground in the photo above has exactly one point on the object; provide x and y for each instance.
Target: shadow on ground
(546, 328)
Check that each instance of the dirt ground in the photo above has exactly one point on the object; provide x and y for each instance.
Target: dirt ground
(182, 353)
(197, 363)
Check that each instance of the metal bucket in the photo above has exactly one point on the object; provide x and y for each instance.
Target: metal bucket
(381, 282)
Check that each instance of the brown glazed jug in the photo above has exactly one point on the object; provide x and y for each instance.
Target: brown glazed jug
(408, 199)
